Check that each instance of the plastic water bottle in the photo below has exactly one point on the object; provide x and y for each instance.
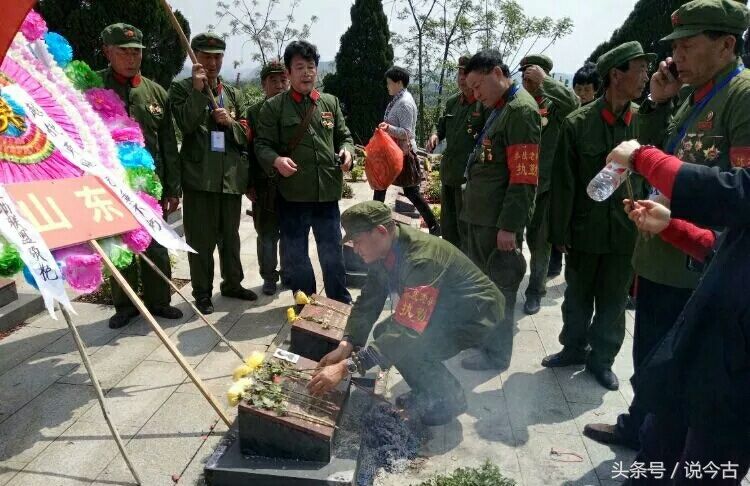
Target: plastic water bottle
(607, 181)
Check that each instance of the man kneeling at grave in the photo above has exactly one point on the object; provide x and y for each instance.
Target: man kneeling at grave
(442, 304)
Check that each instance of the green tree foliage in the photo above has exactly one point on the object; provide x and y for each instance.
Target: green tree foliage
(263, 27)
(442, 30)
(364, 57)
(649, 21)
(503, 25)
(82, 21)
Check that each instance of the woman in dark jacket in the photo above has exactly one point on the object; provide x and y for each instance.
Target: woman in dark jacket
(400, 123)
(699, 375)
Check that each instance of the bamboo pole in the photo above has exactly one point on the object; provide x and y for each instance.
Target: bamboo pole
(99, 394)
(138, 303)
(186, 44)
(192, 305)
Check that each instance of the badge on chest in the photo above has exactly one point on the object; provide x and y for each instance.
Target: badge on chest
(326, 119)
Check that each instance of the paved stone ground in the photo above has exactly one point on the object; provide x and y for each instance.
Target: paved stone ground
(528, 420)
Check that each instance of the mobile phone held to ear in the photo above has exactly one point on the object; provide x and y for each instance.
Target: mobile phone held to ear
(673, 70)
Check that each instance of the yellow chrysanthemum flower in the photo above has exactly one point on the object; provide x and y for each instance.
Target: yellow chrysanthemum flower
(236, 391)
(301, 298)
(255, 360)
(241, 371)
(291, 316)
(234, 395)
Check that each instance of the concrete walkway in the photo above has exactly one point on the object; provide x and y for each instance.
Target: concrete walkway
(528, 420)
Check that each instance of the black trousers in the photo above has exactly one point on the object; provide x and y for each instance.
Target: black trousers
(678, 450)
(657, 307)
(412, 194)
(295, 220)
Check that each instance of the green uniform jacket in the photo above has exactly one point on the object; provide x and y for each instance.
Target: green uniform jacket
(319, 177)
(258, 177)
(502, 183)
(147, 104)
(555, 102)
(203, 170)
(719, 137)
(576, 220)
(461, 123)
(422, 273)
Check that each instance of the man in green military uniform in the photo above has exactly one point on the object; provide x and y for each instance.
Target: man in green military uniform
(215, 174)
(273, 80)
(555, 102)
(502, 175)
(443, 304)
(302, 137)
(701, 117)
(146, 103)
(597, 236)
(459, 126)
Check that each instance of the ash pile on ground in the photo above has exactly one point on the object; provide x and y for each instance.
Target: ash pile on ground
(389, 442)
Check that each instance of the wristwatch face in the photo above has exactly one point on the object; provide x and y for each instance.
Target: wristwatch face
(351, 367)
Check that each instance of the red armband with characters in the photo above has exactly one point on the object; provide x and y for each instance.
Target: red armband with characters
(523, 163)
(415, 307)
(740, 157)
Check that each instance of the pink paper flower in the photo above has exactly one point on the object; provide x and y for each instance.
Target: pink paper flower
(151, 201)
(124, 129)
(137, 240)
(83, 272)
(34, 27)
(106, 103)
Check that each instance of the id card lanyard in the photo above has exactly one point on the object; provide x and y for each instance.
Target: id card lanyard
(218, 138)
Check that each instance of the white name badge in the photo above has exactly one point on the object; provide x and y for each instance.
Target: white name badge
(218, 142)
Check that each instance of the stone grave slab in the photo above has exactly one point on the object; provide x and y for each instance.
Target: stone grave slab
(308, 428)
(320, 327)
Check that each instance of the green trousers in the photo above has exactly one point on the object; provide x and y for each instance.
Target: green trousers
(598, 281)
(155, 289)
(266, 221)
(453, 229)
(212, 220)
(537, 233)
(422, 364)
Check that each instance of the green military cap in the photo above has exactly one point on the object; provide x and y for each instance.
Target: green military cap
(271, 67)
(540, 60)
(693, 18)
(364, 216)
(506, 268)
(122, 35)
(463, 61)
(208, 42)
(620, 55)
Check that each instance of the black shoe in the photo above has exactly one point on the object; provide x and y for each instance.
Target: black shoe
(407, 400)
(122, 317)
(205, 306)
(532, 305)
(553, 272)
(240, 293)
(166, 311)
(435, 230)
(605, 377)
(269, 287)
(563, 358)
(440, 411)
(480, 362)
(608, 434)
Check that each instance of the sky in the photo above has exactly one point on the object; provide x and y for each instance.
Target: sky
(593, 24)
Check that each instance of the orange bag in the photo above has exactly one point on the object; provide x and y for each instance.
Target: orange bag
(385, 160)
